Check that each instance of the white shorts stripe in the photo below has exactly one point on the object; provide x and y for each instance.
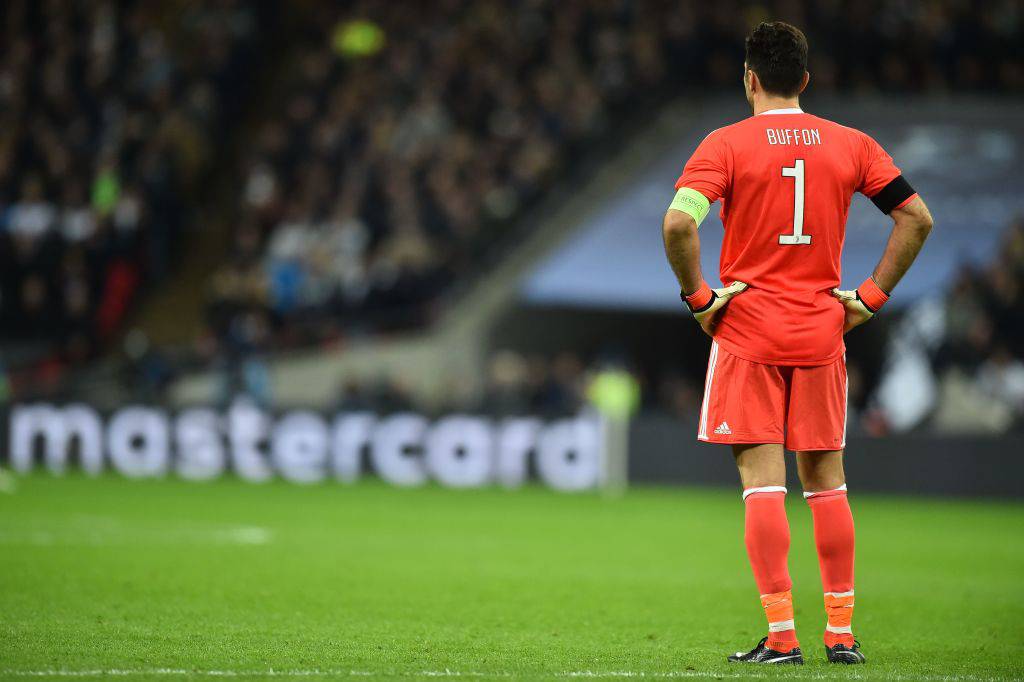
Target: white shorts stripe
(782, 625)
(702, 431)
(846, 403)
(842, 630)
(764, 489)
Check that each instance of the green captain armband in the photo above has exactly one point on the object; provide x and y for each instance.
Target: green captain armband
(692, 203)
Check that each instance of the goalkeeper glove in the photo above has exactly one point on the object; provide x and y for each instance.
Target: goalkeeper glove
(706, 302)
(861, 304)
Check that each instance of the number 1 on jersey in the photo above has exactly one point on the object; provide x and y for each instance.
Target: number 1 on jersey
(796, 171)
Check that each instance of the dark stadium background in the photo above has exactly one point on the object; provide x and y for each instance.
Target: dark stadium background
(341, 206)
(275, 277)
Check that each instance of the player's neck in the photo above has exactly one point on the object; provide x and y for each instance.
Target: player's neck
(763, 104)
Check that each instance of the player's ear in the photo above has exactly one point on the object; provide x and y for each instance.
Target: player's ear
(804, 82)
(753, 85)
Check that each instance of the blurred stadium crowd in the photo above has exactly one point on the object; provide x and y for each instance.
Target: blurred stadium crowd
(378, 177)
(110, 116)
(390, 154)
(954, 363)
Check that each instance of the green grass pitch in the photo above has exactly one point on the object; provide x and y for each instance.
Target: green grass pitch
(170, 580)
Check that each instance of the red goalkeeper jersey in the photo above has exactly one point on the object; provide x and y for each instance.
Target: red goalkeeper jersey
(785, 179)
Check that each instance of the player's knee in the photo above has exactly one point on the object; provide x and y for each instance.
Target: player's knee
(760, 465)
(821, 471)
(764, 480)
(820, 484)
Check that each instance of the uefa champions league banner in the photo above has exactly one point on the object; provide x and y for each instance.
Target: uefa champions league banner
(305, 446)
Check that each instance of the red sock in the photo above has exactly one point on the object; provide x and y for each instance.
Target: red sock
(767, 539)
(834, 537)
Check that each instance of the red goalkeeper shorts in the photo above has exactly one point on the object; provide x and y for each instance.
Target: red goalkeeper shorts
(803, 408)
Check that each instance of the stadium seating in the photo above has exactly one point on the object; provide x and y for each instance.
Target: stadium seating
(366, 197)
(109, 121)
(362, 197)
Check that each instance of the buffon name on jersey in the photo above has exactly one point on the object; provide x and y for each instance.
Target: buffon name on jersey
(805, 136)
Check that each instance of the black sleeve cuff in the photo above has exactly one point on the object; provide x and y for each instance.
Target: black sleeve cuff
(893, 194)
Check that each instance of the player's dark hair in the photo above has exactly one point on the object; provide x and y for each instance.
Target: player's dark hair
(777, 53)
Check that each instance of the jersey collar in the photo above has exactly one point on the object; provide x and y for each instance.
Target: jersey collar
(791, 110)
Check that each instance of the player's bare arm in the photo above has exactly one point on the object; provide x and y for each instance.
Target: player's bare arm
(911, 225)
(682, 247)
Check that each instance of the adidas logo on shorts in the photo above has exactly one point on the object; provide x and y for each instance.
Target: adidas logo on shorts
(723, 429)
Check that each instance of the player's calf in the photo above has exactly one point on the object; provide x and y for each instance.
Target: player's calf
(834, 540)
